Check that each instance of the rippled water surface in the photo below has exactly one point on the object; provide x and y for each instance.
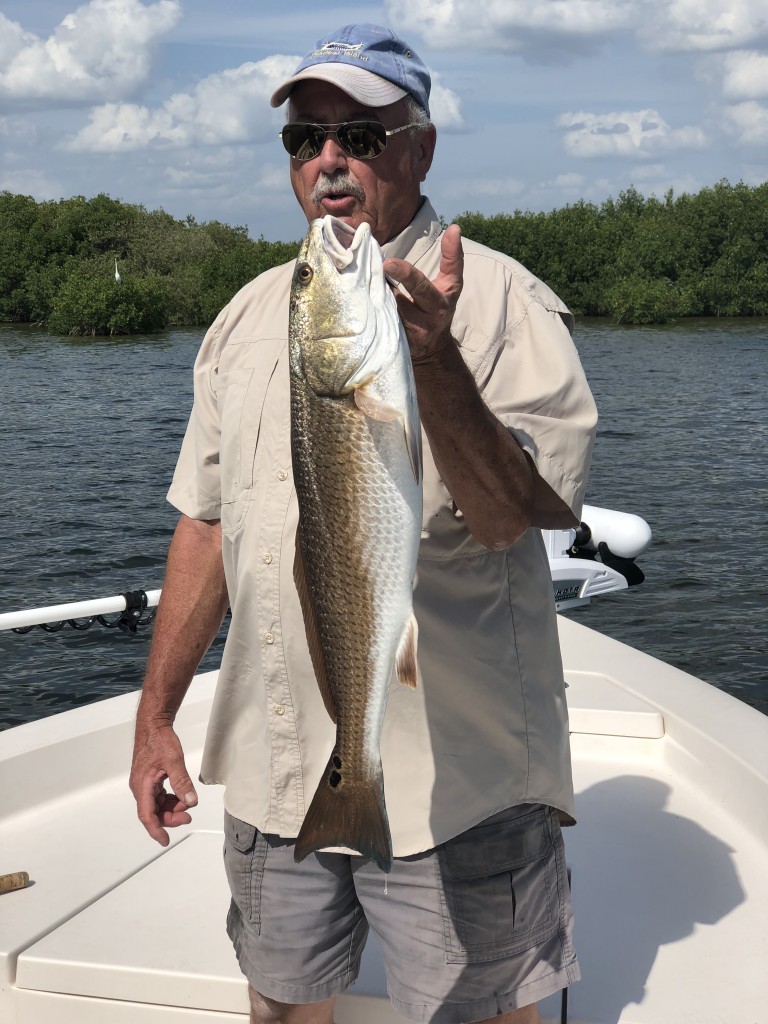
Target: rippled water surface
(90, 435)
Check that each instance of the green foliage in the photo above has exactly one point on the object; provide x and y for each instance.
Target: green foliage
(91, 302)
(638, 299)
(644, 260)
(57, 265)
(636, 259)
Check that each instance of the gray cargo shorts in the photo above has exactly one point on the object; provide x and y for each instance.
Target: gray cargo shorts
(476, 927)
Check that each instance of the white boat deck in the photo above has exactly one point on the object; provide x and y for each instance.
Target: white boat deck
(669, 861)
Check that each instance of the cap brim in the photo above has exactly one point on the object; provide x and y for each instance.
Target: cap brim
(365, 87)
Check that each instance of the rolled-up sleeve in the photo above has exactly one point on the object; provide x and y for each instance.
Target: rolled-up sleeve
(539, 392)
(515, 335)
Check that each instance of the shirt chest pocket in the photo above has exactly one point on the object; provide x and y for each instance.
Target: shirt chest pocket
(241, 394)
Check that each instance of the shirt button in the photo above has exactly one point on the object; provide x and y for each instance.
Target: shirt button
(268, 557)
(279, 709)
(269, 638)
(282, 475)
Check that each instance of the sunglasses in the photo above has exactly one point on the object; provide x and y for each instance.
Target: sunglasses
(363, 140)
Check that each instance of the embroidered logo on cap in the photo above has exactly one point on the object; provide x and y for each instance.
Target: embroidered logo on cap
(347, 49)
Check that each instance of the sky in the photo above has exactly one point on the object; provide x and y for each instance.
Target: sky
(538, 103)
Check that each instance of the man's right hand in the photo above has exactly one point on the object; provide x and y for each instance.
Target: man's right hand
(157, 756)
(192, 606)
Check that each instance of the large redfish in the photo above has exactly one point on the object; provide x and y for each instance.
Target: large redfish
(356, 448)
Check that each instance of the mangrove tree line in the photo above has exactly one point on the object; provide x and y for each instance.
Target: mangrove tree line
(645, 260)
(634, 259)
(58, 262)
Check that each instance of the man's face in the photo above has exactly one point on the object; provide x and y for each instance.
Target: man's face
(383, 192)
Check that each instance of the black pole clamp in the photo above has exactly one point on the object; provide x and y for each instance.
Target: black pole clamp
(135, 605)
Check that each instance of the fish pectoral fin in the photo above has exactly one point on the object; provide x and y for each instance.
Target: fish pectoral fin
(381, 349)
(311, 629)
(374, 408)
(406, 664)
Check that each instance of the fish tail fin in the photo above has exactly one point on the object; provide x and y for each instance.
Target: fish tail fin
(346, 814)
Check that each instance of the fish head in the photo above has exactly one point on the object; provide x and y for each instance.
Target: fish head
(344, 321)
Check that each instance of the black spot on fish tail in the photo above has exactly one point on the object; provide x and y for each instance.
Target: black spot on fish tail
(350, 814)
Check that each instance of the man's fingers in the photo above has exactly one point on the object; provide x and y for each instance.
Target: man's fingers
(147, 806)
(421, 291)
(452, 254)
(447, 284)
(402, 272)
(172, 812)
(182, 786)
(157, 809)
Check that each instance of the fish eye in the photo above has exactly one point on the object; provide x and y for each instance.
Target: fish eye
(304, 273)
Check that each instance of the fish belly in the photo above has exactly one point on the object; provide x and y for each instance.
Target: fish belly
(360, 523)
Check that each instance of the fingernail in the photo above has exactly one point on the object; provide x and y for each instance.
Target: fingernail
(190, 799)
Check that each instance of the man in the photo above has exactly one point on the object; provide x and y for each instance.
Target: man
(474, 920)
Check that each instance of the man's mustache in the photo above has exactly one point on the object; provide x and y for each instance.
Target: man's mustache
(336, 184)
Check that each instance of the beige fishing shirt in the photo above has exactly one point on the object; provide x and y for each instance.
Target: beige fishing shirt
(488, 727)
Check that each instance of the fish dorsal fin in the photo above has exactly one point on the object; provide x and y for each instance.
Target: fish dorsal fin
(311, 628)
(406, 665)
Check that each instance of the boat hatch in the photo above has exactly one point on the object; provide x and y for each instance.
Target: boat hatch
(148, 958)
(599, 706)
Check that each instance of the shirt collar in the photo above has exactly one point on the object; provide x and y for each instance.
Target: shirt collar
(417, 238)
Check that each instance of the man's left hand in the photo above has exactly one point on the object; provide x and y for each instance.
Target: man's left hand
(428, 314)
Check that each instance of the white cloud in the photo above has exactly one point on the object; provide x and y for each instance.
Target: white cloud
(13, 39)
(30, 181)
(626, 134)
(18, 130)
(205, 176)
(467, 187)
(444, 106)
(704, 25)
(647, 172)
(566, 181)
(507, 25)
(534, 27)
(748, 122)
(561, 189)
(745, 75)
(230, 107)
(103, 50)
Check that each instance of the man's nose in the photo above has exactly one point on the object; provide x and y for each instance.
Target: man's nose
(332, 156)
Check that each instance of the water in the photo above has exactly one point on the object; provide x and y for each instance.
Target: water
(682, 441)
(91, 429)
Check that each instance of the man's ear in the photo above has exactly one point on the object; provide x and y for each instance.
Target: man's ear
(426, 151)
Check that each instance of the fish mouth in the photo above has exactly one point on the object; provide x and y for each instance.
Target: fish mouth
(341, 242)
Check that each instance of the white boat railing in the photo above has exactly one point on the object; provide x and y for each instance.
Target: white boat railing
(616, 538)
(75, 611)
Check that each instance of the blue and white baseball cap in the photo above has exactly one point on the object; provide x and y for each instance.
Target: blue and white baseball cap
(370, 63)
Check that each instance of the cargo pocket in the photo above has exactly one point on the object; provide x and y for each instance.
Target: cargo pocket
(245, 852)
(499, 883)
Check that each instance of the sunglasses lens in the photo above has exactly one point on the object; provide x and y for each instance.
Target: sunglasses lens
(303, 141)
(363, 140)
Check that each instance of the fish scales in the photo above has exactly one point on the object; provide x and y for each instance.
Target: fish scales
(359, 494)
